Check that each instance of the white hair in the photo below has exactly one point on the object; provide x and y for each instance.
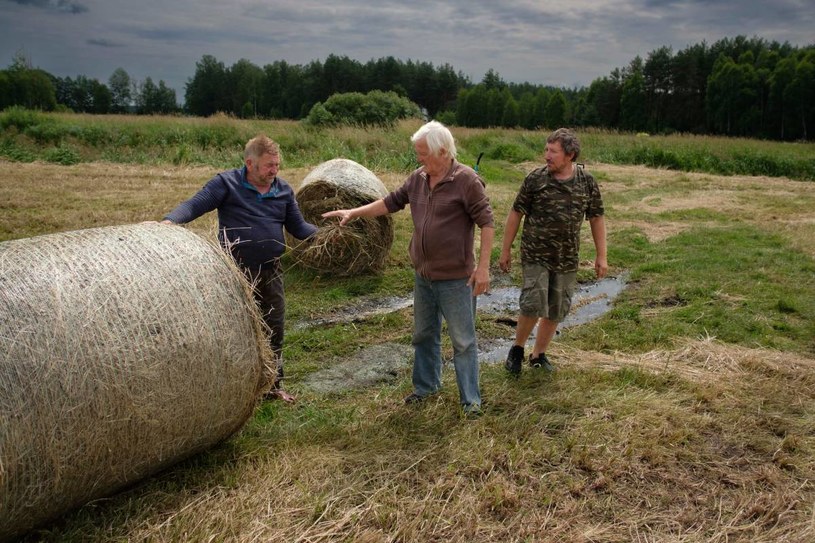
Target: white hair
(438, 137)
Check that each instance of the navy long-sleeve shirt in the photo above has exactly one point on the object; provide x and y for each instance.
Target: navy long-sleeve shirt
(250, 224)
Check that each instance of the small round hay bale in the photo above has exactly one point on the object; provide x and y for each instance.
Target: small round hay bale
(358, 247)
(122, 351)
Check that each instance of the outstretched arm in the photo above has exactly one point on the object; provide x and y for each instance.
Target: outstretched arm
(374, 209)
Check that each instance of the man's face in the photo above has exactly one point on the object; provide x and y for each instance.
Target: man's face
(264, 168)
(556, 159)
(434, 165)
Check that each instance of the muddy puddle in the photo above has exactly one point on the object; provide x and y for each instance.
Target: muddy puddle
(379, 364)
(591, 301)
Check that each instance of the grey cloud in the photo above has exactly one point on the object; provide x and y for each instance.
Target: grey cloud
(66, 6)
(103, 43)
(169, 34)
(196, 33)
(727, 14)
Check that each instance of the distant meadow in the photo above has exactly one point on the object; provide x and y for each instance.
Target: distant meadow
(217, 141)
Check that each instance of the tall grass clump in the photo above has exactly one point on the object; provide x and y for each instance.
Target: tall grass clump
(93, 135)
(65, 155)
(21, 118)
(219, 133)
(10, 150)
(376, 149)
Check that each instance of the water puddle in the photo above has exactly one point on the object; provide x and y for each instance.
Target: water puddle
(591, 301)
(379, 364)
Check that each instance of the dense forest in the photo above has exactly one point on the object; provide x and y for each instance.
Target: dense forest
(737, 86)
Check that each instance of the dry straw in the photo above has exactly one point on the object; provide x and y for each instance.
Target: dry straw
(358, 247)
(124, 350)
(701, 360)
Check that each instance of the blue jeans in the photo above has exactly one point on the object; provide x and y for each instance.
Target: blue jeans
(454, 301)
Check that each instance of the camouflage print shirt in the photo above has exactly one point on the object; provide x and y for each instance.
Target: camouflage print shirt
(553, 214)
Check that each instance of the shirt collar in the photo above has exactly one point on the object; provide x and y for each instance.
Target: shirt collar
(274, 189)
(447, 176)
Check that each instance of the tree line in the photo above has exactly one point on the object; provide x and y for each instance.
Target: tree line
(33, 88)
(737, 86)
(283, 90)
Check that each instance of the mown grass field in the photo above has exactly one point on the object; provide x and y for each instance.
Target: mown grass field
(684, 414)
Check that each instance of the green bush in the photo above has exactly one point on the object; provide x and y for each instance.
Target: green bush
(447, 118)
(320, 116)
(376, 108)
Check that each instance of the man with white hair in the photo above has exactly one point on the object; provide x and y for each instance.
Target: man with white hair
(447, 199)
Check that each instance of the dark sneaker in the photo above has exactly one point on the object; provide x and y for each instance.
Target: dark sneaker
(413, 398)
(515, 360)
(472, 411)
(541, 362)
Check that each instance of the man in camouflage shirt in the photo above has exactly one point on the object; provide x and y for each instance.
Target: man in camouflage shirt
(554, 200)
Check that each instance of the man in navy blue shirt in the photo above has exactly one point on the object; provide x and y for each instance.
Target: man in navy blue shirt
(254, 206)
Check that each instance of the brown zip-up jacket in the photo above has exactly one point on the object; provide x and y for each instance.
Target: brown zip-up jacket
(443, 220)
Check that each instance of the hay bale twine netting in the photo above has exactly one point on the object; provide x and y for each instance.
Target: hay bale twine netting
(360, 246)
(124, 350)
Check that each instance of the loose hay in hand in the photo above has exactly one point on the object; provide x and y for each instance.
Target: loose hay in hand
(122, 351)
(362, 246)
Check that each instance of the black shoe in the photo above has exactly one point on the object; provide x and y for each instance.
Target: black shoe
(472, 411)
(413, 398)
(541, 362)
(515, 360)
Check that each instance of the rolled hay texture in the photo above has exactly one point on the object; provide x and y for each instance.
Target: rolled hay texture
(124, 350)
(362, 245)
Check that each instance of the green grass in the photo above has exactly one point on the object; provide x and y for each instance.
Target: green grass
(734, 283)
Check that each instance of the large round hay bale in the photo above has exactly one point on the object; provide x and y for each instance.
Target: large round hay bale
(359, 247)
(124, 350)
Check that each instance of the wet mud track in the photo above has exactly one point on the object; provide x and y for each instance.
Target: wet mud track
(384, 363)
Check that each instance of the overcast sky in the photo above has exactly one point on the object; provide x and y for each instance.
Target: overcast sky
(567, 43)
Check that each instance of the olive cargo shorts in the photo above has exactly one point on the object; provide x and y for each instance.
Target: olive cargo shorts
(545, 293)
